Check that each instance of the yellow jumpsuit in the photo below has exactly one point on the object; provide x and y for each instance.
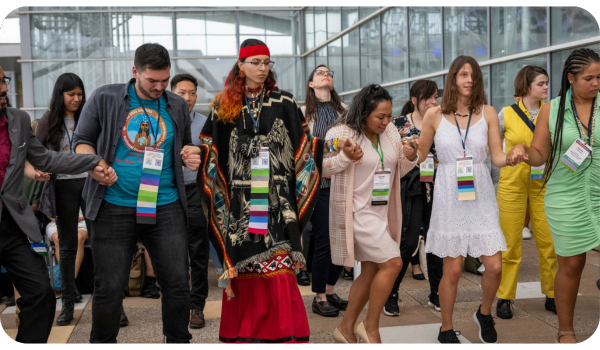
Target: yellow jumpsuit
(516, 195)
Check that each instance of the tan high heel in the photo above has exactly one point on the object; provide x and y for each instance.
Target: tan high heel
(560, 334)
(338, 337)
(362, 333)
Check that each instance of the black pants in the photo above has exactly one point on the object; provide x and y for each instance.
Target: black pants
(420, 214)
(198, 248)
(29, 273)
(115, 236)
(323, 270)
(68, 201)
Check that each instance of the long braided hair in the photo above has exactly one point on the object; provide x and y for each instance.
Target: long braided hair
(576, 63)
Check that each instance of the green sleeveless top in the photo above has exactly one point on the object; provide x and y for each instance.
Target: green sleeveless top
(572, 201)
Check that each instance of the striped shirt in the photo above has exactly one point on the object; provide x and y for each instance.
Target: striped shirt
(324, 118)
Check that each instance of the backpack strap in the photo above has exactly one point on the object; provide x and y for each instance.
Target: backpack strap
(526, 120)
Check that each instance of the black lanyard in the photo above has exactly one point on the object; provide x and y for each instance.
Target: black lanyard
(69, 138)
(590, 121)
(466, 132)
(147, 118)
(257, 121)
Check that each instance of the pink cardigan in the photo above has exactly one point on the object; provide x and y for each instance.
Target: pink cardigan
(341, 170)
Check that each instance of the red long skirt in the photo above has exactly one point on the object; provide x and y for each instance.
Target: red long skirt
(267, 306)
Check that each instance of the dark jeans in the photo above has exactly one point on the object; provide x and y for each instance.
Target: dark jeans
(29, 274)
(68, 201)
(323, 270)
(115, 235)
(198, 248)
(420, 214)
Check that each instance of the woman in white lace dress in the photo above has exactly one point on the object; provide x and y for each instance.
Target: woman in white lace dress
(465, 212)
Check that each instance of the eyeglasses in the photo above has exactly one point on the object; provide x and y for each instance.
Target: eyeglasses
(265, 63)
(5, 81)
(324, 72)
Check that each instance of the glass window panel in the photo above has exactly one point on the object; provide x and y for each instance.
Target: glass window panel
(222, 23)
(334, 21)
(280, 45)
(517, 29)
(191, 23)
(221, 45)
(65, 36)
(125, 32)
(286, 80)
(349, 16)
(251, 23)
(395, 44)
(348, 99)
(425, 40)
(400, 94)
(320, 25)
(370, 52)
(351, 61)
(300, 81)
(211, 75)
(309, 27)
(191, 45)
(309, 65)
(465, 33)
(158, 24)
(365, 11)
(558, 63)
(503, 79)
(45, 75)
(334, 51)
(572, 23)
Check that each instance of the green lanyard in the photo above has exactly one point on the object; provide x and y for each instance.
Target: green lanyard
(377, 150)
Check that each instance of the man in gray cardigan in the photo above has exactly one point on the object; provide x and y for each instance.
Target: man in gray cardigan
(122, 122)
(18, 226)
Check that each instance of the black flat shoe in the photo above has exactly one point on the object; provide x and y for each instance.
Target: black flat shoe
(550, 305)
(504, 309)
(302, 278)
(336, 301)
(348, 275)
(324, 308)
(420, 276)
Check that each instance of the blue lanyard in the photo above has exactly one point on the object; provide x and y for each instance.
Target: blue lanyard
(466, 132)
(69, 138)
(257, 121)
(148, 119)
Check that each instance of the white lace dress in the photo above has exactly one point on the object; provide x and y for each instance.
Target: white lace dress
(463, 227)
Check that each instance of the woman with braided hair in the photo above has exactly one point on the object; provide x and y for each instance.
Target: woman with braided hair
(566, 138)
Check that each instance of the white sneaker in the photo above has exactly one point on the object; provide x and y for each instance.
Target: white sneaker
(526, 233)
(481, 269)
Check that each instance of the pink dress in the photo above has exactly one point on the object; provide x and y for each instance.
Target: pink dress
(372, 238)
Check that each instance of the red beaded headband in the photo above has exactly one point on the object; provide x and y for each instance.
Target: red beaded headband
(254, 51)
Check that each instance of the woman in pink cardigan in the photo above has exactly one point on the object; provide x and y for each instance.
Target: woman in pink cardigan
(365, 218)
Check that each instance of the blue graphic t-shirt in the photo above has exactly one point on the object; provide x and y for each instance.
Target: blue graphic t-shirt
(137, 134)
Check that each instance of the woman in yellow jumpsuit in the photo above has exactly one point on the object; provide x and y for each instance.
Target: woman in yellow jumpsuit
(519, 191)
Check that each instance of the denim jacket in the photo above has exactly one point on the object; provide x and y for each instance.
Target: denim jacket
(100, 124)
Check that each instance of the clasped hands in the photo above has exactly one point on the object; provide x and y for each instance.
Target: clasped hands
(516, 155)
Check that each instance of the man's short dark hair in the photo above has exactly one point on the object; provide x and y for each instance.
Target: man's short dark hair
(183, 77)
(152, 56)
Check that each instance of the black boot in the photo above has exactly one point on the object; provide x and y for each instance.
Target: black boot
(504, 309)
(550, 305)
(124, 320)
(66, 315)
(78, 297)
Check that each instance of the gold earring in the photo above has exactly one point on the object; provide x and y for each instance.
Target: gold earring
(242, 74)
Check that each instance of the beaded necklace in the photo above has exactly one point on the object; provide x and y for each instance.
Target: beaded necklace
(256, 121)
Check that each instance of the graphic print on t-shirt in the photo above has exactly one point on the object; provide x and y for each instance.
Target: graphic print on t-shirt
(138, 132)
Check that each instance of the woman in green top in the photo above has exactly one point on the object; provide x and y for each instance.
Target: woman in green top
(572, 199)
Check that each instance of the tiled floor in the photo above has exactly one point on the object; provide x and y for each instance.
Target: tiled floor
(416, 324)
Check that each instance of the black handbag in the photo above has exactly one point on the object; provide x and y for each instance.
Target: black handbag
(47, 204)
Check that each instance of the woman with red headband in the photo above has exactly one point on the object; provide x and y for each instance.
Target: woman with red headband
(260, 176)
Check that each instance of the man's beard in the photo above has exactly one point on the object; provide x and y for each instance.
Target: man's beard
(144, 92)
(3, 105)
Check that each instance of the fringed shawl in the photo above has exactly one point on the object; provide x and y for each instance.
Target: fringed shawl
(224, 182)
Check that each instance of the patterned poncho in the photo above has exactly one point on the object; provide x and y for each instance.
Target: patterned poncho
(224, 182)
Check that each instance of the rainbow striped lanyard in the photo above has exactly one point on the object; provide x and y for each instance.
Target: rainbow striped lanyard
(259, 193)
(464, 168)
(150, 180)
